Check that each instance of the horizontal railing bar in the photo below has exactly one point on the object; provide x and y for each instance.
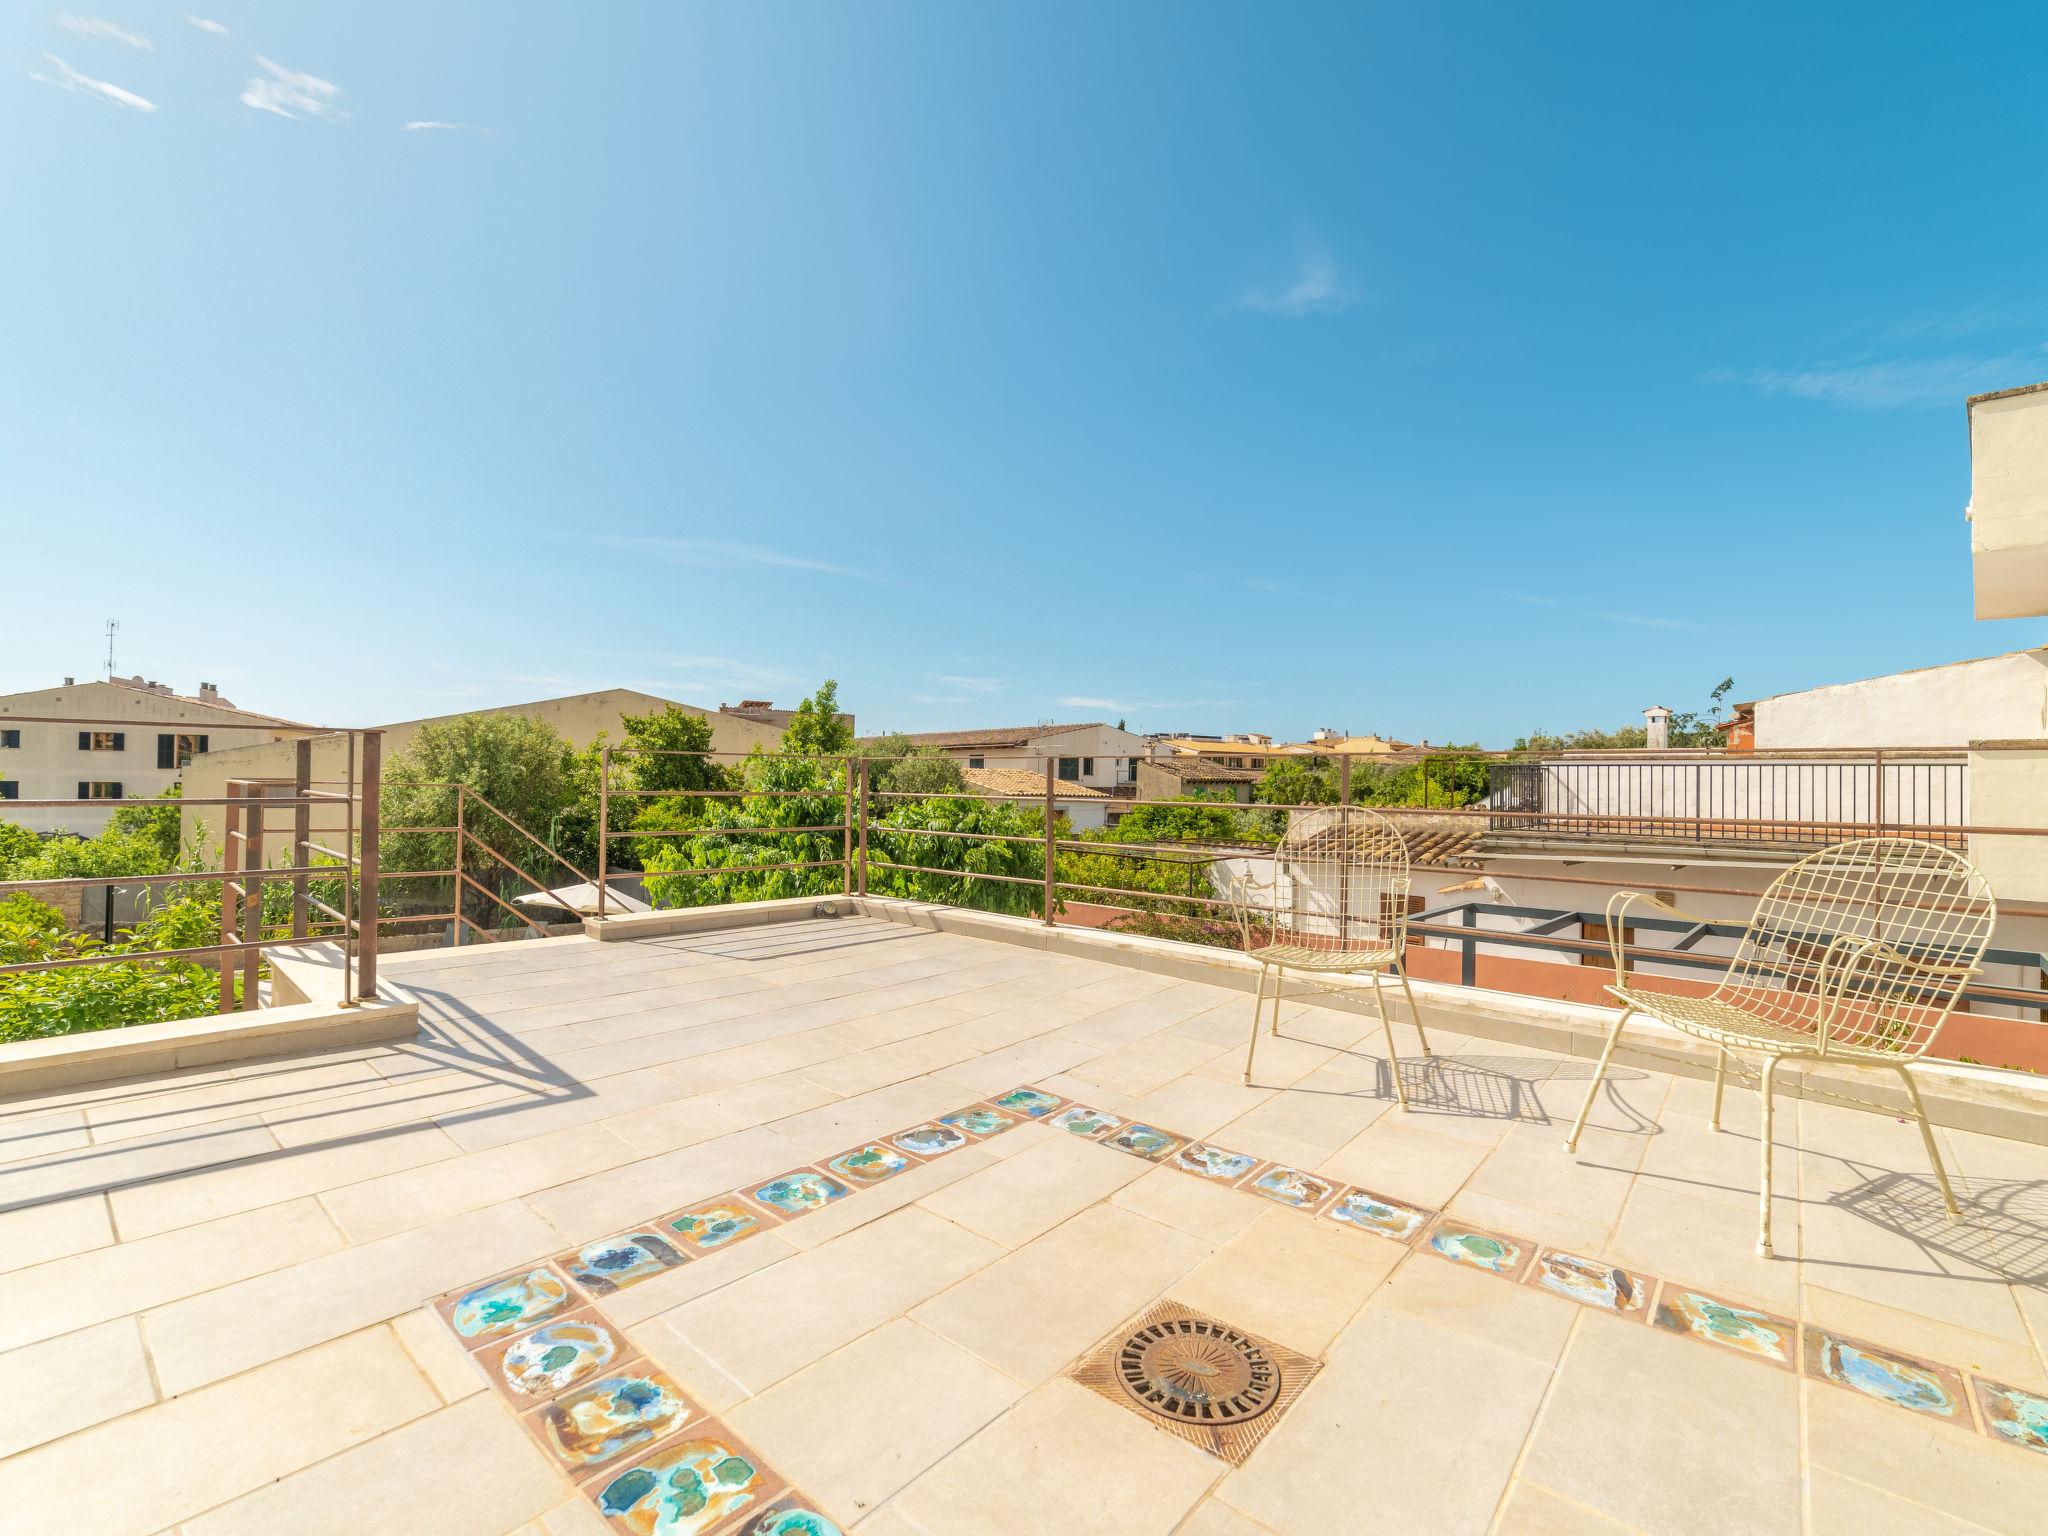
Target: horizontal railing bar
(837, 826)
(144, 727)
(723, 794)
(963, 874)
(136, 802)
(81, 882)
(147, 956)
(722, 869)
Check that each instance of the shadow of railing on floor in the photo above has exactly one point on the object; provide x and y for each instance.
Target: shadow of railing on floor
(2003, 1229)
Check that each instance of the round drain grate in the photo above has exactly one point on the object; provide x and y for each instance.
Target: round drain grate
(1197, 1372)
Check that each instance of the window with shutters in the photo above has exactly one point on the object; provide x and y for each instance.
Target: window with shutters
(177, 751)
(10, 738)
(102, 741)
(9, 790)
(99, 789)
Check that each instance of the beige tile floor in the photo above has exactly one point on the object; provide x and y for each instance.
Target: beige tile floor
(211, 1282)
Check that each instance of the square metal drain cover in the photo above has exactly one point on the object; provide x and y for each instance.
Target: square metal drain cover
(1198, 1377)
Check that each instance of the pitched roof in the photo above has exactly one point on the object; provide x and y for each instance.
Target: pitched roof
(999, 736)
(1019, 781)
(1204, 770)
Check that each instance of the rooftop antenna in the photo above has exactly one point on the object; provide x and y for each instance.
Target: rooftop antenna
(112, 626)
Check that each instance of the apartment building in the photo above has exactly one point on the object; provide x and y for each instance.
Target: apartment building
(134, 740)
(1097, 755)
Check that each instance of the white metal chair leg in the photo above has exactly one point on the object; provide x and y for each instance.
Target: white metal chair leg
(1593, 1088)
(1763, 1236)
(1279, 986)
(1387, 1032)
(1414, 1013)
(1720, 1077)
(1258, 1008)
(1948, 1196)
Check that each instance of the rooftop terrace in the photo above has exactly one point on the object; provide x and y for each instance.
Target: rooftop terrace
(217, 1310)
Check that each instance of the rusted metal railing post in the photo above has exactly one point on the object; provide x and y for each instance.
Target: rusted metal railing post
(604, 826)
(230, 891)
(1050, 778)
(861, 812)
(349, 863)
(459, 864)
(1877, 788)
(302, 832)
(252, 893)
(373, 786)
(846, 836)
(1344, 778)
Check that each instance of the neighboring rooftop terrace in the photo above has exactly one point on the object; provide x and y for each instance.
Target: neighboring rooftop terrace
(217, 1306)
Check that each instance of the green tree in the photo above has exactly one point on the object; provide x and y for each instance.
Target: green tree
(155, 819)
(900, 768)
(1298, 780)
(911, 834)
(1689, 728)
(780, 791)
(17, 844)
(816, 727)
(520, 765)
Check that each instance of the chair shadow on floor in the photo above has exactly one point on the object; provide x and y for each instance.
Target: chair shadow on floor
(1487, 1087)
(2003, 1229)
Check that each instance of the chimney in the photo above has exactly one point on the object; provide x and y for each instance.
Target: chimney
(1657, 727)
(70, 682)
(209, 694)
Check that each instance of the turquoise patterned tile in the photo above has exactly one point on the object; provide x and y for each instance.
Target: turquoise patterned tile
(1198, 1157)
(1489, 1251)
(1292, 1186)
(1725, 1323)
(613, 1263)
(1083, 1121)
(1368, 1212)
(2016, 1417)
(1901, 1380)
(864, 1167)
(1029, 1102)
(1146, 1141)
(978, 1121)
(510, 1304)
(930, 1140)
(691, 1486)
(1592, 1282)
(799, 1192)
(554, 1357)
(717, 1224)
(793, 1516)
(620, 1415)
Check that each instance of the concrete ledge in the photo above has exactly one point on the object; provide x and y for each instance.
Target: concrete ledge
(746, 914)
(65, 1061)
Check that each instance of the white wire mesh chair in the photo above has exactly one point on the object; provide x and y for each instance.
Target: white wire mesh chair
(1337, 904)
(1855, 957)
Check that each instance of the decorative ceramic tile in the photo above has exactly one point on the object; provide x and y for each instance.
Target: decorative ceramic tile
(1146, 1141)
(511, 1304)
(1935, 1390)
(978, 1121)
(1723, 1322)
(613, 1263)
(2016, 1417)
(1029, 1102)
(706, 1228)
(1291, 1186)
(1592, 1282)
(1489, 1251)
(1199, 1157)
(616, 1416)
(929, 1140)
(1368, 1212)
(799, 1192)
(690, 1486)
(1083, 1121)
(793, 1516)
(868, 1165)
(554, 1357)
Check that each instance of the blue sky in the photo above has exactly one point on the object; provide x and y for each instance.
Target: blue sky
(1440, 371)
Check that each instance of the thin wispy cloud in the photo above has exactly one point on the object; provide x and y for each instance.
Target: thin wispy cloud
(289, 93)
(1316, 288)
(1132, 706)
(1890, 384)
(103, 31)
(1650, 621)
(969, 684)
(721, 554)
(214, 28)
(68, 79)
(430, 125)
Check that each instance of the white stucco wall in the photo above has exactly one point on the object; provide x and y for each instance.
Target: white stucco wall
(2009, 502)
(1995, 698)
